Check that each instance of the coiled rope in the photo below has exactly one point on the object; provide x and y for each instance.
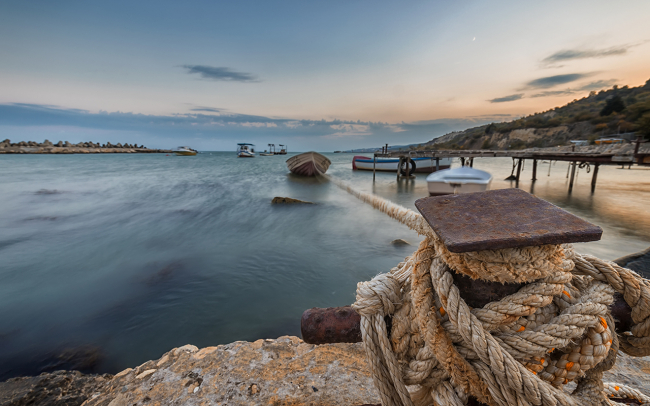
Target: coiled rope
(521, 350)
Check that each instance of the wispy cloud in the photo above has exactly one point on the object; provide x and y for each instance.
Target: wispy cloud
(206, 109)
(226, 127)
(504, 99)
(220, 73)
(550, 93)
(551, 81)
(597, 85)
(570, 54)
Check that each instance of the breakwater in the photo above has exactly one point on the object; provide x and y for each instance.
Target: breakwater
(65, 147)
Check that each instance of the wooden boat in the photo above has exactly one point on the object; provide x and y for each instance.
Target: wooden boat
(458, 180)
(422, 165)
(308, 164)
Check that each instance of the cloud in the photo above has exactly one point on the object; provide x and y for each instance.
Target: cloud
(510, 98)
(570, 54)
(207, 109)
(217, 128)
(597, 85)
(550, 93)
(551, 81)
(220, 73)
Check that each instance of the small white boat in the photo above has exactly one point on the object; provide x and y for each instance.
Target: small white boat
(185, 151)
(422, 165)
(308, 164)
(245, 150)
(458, 180)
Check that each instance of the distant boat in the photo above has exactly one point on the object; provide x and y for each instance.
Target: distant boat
(185, 151)
(308, 164)
(458, 180)
(271, 151)
(266, 154)
(423, 165)
(282, 151)
(245, 150)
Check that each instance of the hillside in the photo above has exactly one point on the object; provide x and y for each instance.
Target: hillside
(605, 113)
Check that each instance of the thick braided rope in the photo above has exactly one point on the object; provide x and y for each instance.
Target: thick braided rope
(506, 342)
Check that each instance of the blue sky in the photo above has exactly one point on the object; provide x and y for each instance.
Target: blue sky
(313, 75)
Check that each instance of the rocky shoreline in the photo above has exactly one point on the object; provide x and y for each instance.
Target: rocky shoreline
(65, 147)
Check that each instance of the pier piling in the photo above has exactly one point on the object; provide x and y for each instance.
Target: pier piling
(519, 169)
(534, 169)
(594, 177)
(573, 175)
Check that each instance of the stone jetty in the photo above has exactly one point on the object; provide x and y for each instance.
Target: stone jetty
(65, 147)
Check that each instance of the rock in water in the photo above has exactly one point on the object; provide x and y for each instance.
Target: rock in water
(61, 388)
(288, 200)
(399, 242)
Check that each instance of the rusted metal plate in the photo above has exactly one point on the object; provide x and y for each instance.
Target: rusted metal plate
(505, 218)
(330, 325)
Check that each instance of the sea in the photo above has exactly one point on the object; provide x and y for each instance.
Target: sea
(111, 260)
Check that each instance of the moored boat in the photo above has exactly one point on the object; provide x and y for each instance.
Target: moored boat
(458, 180)
(185, 151)
(422, 165)
(308, 164)
(245, 150)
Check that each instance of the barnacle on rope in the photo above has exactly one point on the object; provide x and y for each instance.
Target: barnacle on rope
(520, 350)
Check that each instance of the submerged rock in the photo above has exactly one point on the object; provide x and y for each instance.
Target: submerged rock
(400, 242)
(288, 200)
(61, 388)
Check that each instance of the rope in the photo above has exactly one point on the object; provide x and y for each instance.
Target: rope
(520, 350)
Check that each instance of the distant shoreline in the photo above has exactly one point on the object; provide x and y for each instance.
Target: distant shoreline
(46, 147)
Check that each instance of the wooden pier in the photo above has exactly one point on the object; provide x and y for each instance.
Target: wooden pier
(575, 159)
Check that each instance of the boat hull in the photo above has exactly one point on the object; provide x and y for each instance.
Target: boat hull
(185, 153)
(442, 188)
(422, 165)
(458, 181)
(308, 164)
(244, 154)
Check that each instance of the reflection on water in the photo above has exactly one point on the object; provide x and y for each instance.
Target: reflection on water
(132, 255)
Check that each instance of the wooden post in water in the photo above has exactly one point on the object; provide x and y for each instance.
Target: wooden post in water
(471, 162)
(534, 169)
(573, 174)
(408, 167)
(374, 165)
(399, 166)
(593, 178)
(518, 169)
(437, 164)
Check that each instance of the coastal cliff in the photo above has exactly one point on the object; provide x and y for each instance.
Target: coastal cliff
(61, 147)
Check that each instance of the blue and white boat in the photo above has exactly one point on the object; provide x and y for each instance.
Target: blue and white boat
(245, 150)
(425, 165)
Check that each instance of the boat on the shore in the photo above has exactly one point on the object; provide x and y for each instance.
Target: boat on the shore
(421, 165)
(457, 181)
(308, 164)
(245, 150)
(185, 151)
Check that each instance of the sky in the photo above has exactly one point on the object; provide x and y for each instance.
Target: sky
(330, 75)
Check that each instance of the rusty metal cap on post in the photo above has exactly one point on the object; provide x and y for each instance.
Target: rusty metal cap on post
(505, 218)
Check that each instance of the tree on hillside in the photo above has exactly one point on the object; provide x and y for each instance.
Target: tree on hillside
(490, 128)
(613, 105)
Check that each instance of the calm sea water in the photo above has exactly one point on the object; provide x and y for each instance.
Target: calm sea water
(112, 260)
